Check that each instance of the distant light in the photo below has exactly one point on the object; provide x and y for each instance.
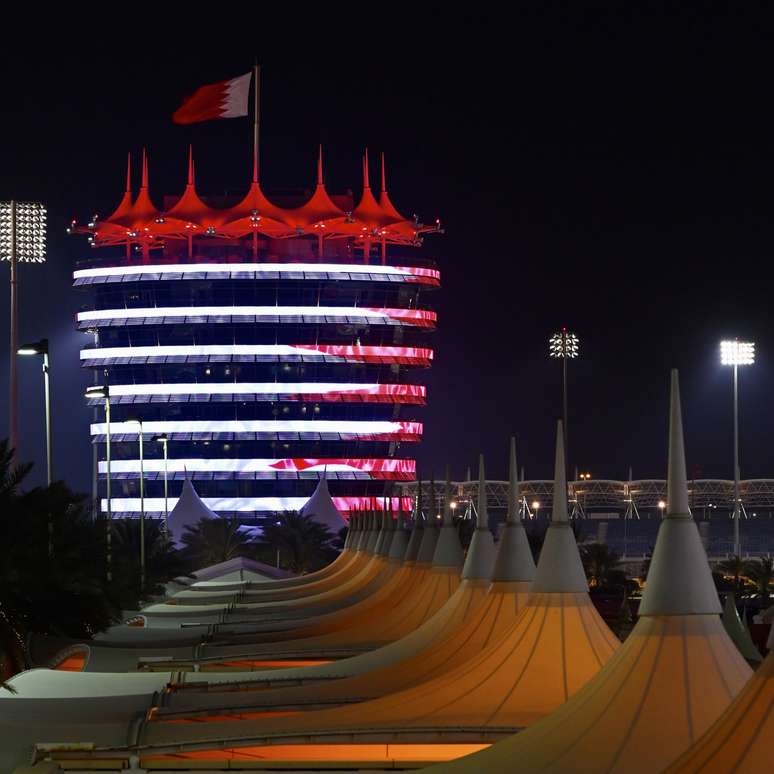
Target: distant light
(26, 351)
(563, 343)
(661, 504)
(535, 505)
(737, 353)
(453, 505)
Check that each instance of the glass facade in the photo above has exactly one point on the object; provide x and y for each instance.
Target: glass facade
(261, 375)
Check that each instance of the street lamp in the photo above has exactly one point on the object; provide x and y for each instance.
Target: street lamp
(22, 240)
(41, 348)
(565, 345)
(164, 441)
(661, 507)
(736, 353)
(138, 422)
(96, 392)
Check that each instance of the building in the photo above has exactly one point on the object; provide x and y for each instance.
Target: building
(269, 342)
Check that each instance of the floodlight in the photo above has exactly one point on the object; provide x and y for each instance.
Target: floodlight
(563, 344)
(736, 353)
(22, 232)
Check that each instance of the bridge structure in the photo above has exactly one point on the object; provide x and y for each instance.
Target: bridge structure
(625, 514)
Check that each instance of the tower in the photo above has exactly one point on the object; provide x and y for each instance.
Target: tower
(270, 343)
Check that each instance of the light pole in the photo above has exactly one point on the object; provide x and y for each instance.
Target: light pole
(138, 422)
(22, 240)
(164, 441)
(736, 353)
(565, 345)
(41, 348)
(103, 391)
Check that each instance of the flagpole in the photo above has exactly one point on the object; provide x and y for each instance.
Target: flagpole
(257, 115)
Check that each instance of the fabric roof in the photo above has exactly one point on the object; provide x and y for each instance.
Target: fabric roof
(189, 510)
(670, 680)
(320, 508)
(139, 222)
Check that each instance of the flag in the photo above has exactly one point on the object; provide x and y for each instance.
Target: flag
(225, 99)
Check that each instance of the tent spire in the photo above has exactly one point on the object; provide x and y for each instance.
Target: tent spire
(481, 552)
(384, 176)
(679, 579)
(482, 518)
(677, 482)
(514, 558)
(559, 511)
(190, 166)
(319, 166)
(559, 568)
(144, 181)
(366, 182)
(129, 173)
(447, 499)
(513, 486)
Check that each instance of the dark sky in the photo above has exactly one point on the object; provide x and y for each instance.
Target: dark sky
(612, 173)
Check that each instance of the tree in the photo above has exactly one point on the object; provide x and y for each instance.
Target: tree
(761, 572)
(735, 567)
(162, 561)
(64, 592)
(59, 594)
(213, 541)
(601, 565)
(304, 543)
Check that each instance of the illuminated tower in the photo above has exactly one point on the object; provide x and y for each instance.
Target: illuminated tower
(268, 342)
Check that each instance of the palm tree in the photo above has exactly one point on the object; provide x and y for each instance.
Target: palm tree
(213, 541)
(599, 562)
(305, 544)
(761, 572)
(736, 567)
(162, 561)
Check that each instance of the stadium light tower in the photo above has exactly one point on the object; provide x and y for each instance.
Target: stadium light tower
(736, 353)
(22, 240)
(565, 345)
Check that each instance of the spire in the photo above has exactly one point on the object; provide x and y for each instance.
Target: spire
(482, 520)
(447, 500)
(481, 552)
(679, 579)
(559, 511)
(128, 173)
(384, 176)
(255, 164)
(144, 181)
(319, 166)
(677, 482)
(190, 167)
(433, 515)
(366, 181)
(514, 557)
(513, 487)
(559, 568)
(448, 549)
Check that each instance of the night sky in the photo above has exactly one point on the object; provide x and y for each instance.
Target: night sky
(610, 173)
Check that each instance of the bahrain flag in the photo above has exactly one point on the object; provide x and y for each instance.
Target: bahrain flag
(225, 99)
